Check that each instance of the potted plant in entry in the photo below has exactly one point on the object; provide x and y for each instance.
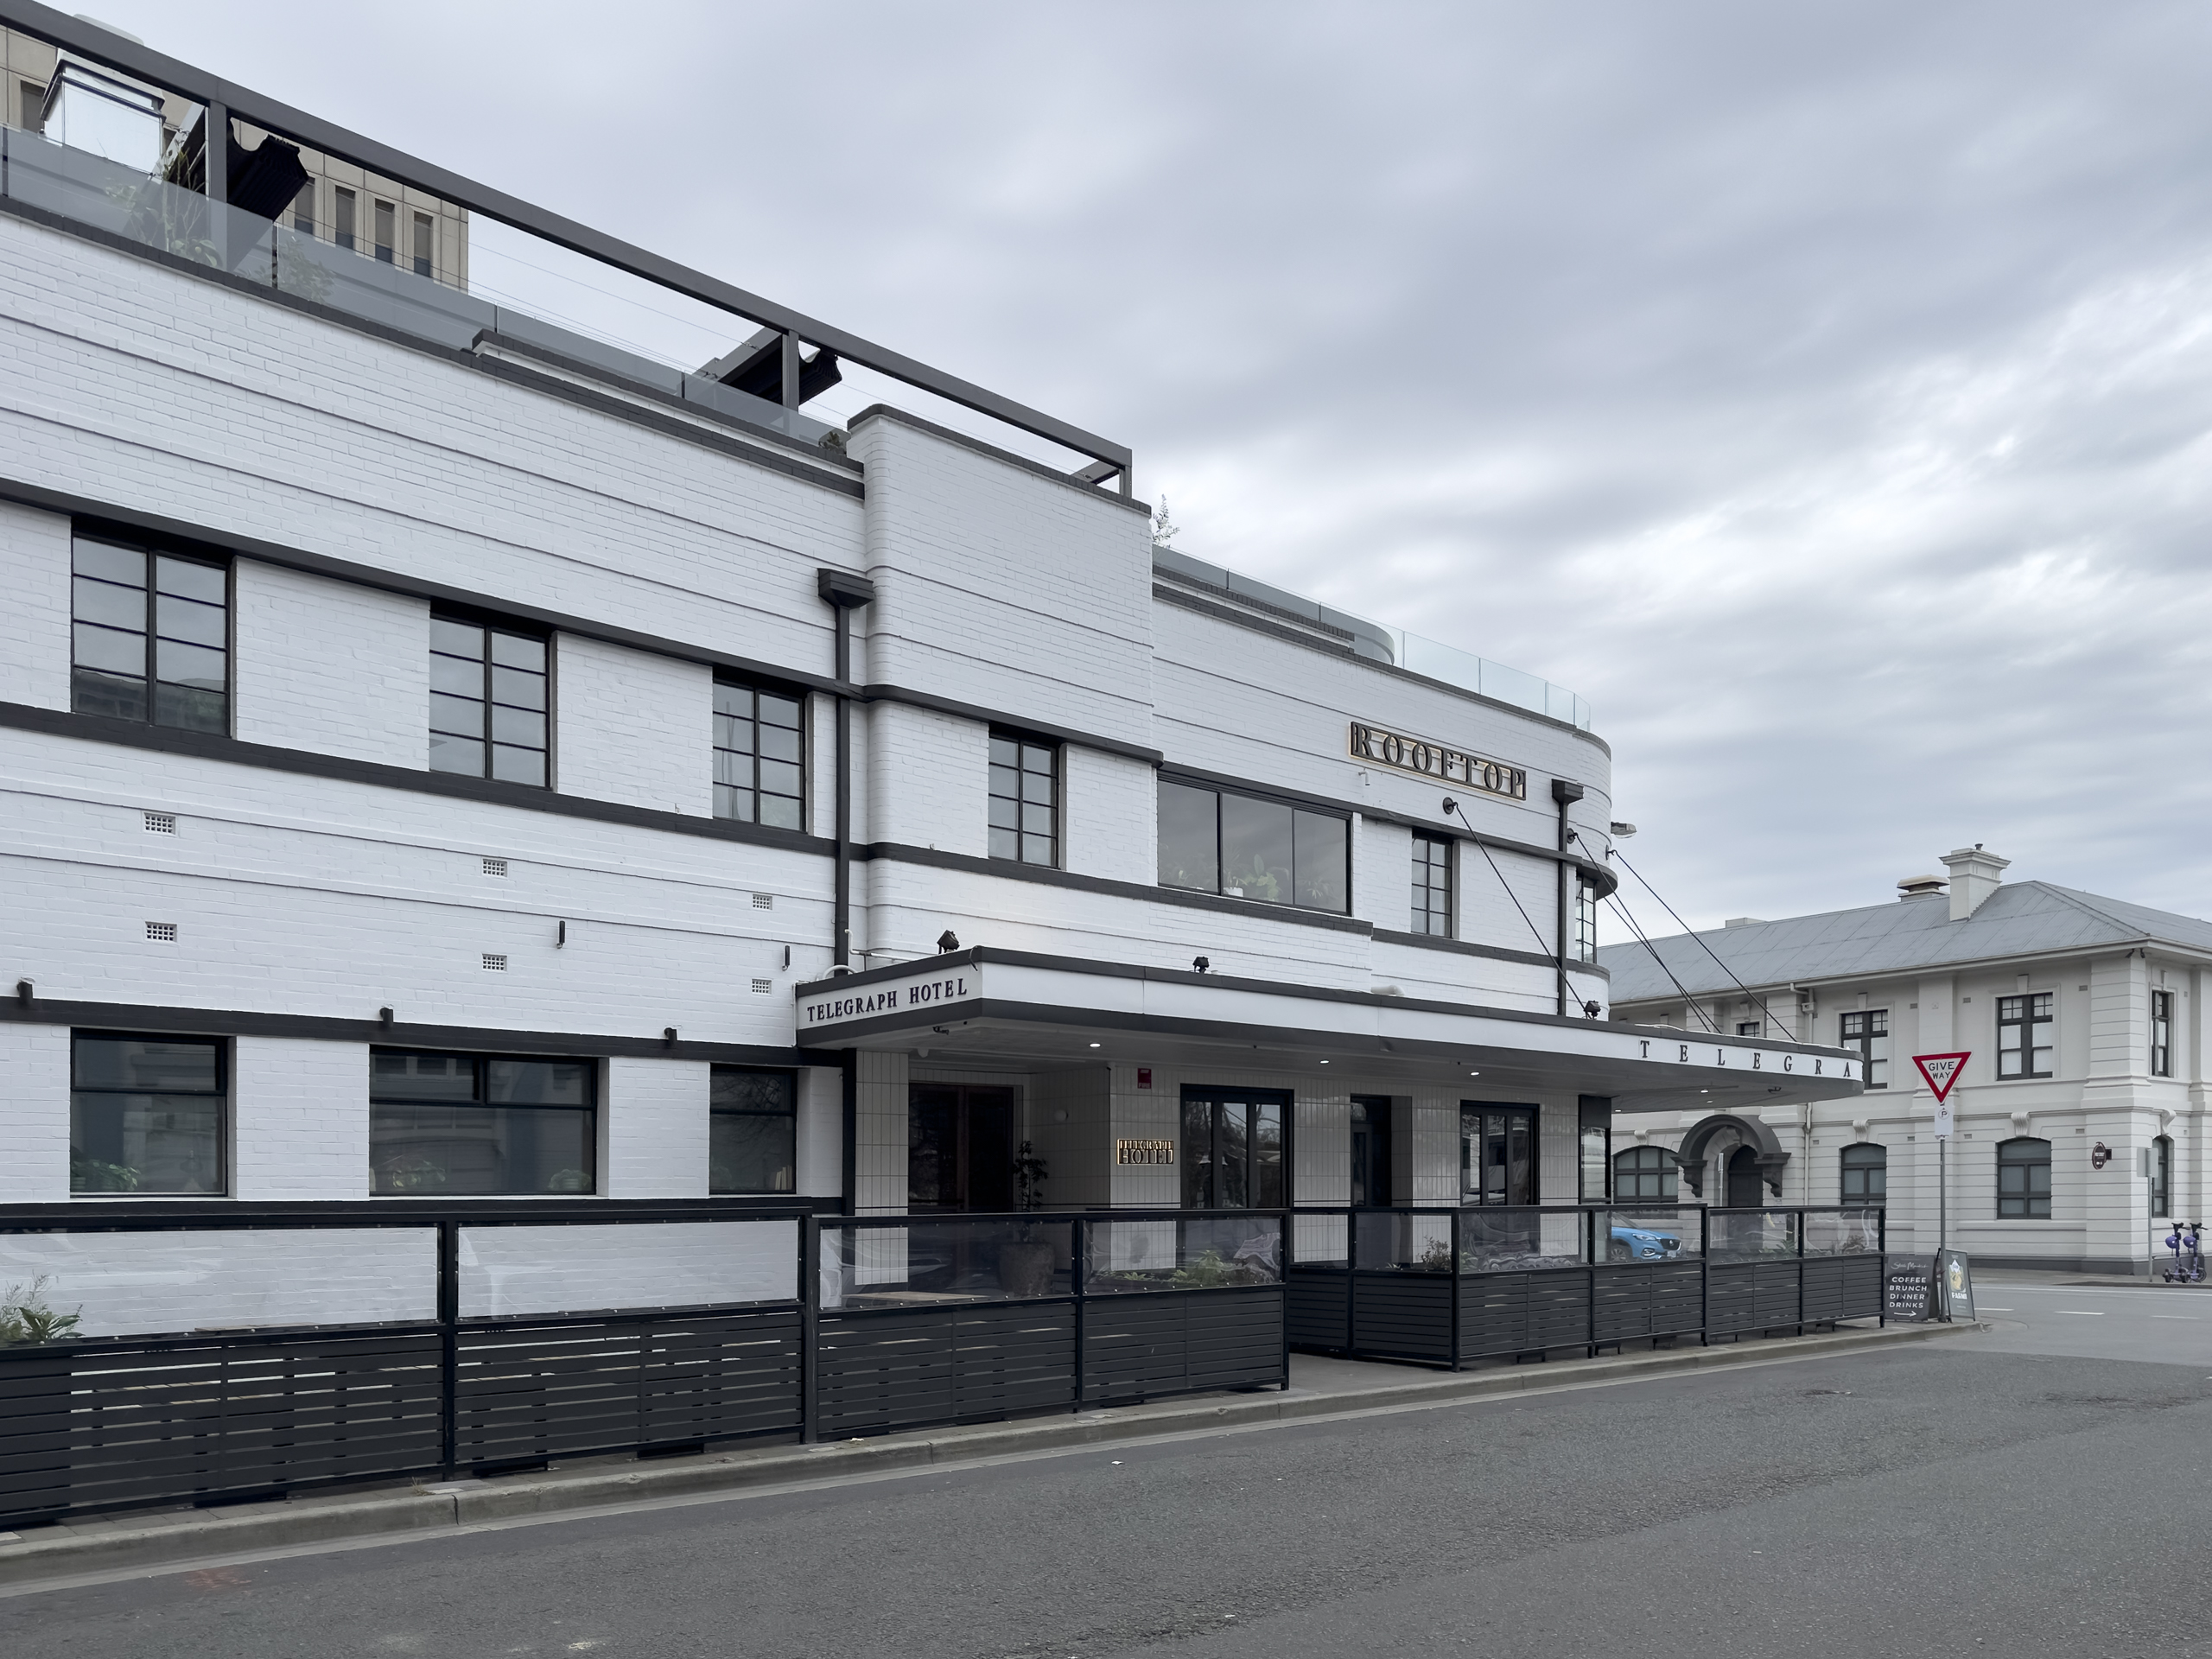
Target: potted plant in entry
(1026, 1259)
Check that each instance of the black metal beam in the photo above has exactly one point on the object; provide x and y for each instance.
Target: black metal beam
(59, 28)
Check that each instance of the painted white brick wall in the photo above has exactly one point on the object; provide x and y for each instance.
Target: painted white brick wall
(300, 1120)
(34, 1088)
(929, 779)
(634, 726)
(1111, 816)
(34, 622)
(330, 667)
(654, 1115)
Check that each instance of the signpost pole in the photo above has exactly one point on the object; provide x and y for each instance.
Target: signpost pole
(1941, 1071)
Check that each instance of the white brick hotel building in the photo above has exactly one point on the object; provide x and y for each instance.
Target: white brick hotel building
(433, 768)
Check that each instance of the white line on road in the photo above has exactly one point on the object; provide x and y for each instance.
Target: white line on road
(2084, 1313)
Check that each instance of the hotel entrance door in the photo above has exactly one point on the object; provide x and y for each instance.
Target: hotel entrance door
(1498, 1154)
(959, 1147)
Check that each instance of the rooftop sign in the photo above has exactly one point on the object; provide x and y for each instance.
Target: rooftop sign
(1437, 761)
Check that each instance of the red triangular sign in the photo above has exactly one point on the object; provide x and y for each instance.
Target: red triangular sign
(1941, 1071)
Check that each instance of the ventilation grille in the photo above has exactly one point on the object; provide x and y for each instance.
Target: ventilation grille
(495, 963)
(764, 901)
(161, 933)
(495, 867)
(161, 823)
(763, 987)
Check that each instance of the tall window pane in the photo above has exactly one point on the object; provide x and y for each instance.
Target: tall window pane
(387, 219)
(2024, 1042)
(152, 637)
(1189, 837)
(1025, 800)
(489, 701)
(2024, 1179)
(759, 756)
(425, 244)
(1866, 1174)
(752, 1131)
(1432, 909)
(1869, 1034)
(1585, 922)
(476, 1124)
(342, 203)
(2162, 1028)
(1321, 854)
(1256, 849)
(303, 209)
(146, 1115)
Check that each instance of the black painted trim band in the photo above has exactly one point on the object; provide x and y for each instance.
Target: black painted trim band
(1496, 953)
(246, 1022)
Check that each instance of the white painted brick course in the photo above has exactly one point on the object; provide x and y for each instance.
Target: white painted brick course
(300, 1120)
(634, 726)
(34, 1091)
(653, 1118)
(329, 666)
(34, 622)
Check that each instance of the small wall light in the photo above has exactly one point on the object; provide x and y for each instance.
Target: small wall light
(947, 943)
(1199, 965)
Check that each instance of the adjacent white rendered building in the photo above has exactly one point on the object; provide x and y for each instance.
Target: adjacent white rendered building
(2080, 1114)
(446, 756)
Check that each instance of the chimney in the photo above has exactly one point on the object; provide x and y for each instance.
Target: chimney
(1974, 876)
(1920, 886)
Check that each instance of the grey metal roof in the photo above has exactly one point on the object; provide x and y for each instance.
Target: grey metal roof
(2020, 919)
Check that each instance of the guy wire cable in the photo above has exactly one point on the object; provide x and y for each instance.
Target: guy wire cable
(1707, 949)
(1645, 939)
(1558, 962)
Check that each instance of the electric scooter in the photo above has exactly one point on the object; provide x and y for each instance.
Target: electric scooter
(2187, 1266)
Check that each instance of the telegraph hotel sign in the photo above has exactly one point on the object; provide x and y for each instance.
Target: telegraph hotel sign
(1445, 765)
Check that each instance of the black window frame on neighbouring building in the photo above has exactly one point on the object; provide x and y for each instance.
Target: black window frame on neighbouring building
(1864, 1172)
(1207, 833)
(1586, 921)
(760, 742)
(2025, 1013)
(1433, 909)
(134, 1091)
(2022, 1193)
(149, 633)
(2162, 1033)
(1867, 1031)
(1647, 1174)
(1025, 790)
(753, 1131)
(2162, 1176)
(426, 245)
(512, 664)
(540, 1107)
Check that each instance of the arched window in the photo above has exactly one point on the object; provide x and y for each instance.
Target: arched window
(2162, 1176)
(2024, 1178)
(1645, 1172)
(1865, 1173)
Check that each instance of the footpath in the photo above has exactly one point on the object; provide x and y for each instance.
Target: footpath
(1320, 1388)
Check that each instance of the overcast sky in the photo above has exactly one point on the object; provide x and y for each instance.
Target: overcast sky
(1822, 390)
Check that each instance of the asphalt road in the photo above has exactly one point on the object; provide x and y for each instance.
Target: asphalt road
(2037, 1489)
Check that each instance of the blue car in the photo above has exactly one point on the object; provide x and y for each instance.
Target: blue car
(1632, 1243)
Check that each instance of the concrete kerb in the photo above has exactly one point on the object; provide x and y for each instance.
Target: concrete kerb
(124, 1541)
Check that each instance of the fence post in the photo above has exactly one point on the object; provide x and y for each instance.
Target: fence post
(809, 1323)
(1704, 1275)
(1352, 1280)
(1801, 1272)
(449, 1343)
(1284, 1247)
(1078, 1257)
(1882, 1262)
(1590, 1278)
(1455, 1290)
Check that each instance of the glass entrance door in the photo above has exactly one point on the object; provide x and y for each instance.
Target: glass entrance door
(1233, 1148)
(959, 1147)
(1498, 1154)
(1370, 1151)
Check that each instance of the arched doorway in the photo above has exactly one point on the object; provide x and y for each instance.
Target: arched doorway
(1743, 1180)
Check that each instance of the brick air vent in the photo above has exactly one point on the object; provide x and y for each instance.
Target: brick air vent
(161, 933)
(764, 901)
(495, 867)
(763, 987)
(161, 823)
(495, 963)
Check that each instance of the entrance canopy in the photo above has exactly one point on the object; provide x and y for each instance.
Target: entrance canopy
(993, 1009)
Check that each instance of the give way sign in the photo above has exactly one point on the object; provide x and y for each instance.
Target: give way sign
(1941, 1071)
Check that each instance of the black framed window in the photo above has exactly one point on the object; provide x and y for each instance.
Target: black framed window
(2162, 1176)
(147, 1114)
(1750, 1027)
(2023, 1027)
(1025, 799)
(387, 232)
(2161, 1036)
(759, 756)
(2024, 1178)
(1233, 1148)
(1648, 1173)
(1585, 922)
(1498, 1154)
(490, 700)
(1216, 840)
(1370, 1151)
(1595, 1148)
(303, 209)
(426, 243)
(342, 205)
(1869, 1033)
(1865, 1173)
(753, 1131)
(151, 639)
(1432, 885)
(480, 1123)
